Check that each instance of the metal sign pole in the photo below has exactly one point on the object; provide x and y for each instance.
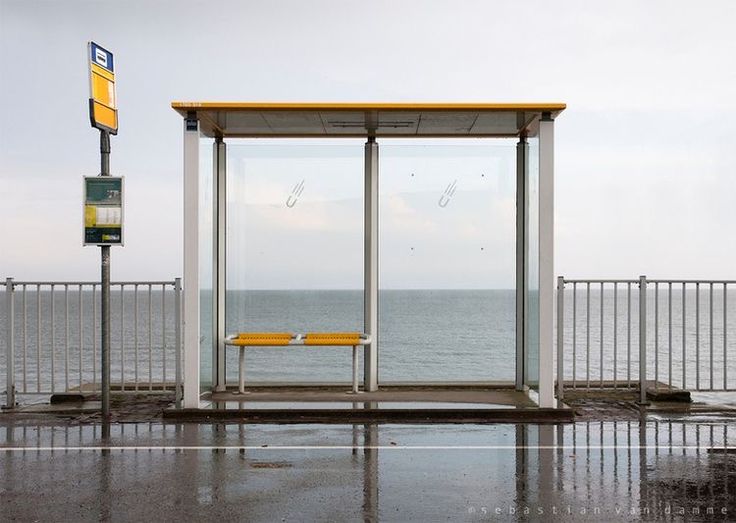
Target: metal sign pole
(105, 304)
(103, 205)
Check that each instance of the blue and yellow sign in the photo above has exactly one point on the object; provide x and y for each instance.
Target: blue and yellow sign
(103, 111)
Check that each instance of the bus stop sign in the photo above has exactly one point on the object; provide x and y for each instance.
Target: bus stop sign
(103, 109)
(103, 210)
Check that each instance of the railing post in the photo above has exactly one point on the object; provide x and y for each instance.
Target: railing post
(177, 339)
(560, 337)
(642, 339)
(10, 343)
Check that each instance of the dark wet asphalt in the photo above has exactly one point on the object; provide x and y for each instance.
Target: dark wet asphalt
(593, 471)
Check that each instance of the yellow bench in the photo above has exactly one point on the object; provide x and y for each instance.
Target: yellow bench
(278, 339)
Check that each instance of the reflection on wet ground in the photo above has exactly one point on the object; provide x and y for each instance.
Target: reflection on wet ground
(600, 471)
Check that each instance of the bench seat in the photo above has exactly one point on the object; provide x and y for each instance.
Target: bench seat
(282, 339)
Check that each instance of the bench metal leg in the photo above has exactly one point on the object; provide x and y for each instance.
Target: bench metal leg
(241, 371)
(355, 369)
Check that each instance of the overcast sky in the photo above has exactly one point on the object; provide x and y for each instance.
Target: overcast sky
(645, 163)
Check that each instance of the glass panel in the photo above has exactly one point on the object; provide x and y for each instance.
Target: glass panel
(294, 253)
(205, 262)
(531, 367)
(447, 261)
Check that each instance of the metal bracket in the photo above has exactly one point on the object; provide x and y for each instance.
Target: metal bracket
(191, 121)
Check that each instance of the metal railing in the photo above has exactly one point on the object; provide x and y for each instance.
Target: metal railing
(52, 337)
(642, 333)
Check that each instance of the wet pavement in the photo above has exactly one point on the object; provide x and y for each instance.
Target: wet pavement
(289, 405)
(62, 469)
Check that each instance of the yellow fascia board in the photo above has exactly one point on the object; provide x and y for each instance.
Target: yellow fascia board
(366, 106)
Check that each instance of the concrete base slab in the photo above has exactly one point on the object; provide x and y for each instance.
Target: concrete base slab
(395, 405)
(505, 398)
(608, 389)
(67, 397)
(673, 395)
(703, 404)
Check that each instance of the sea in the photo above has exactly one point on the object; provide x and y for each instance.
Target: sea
(424, 336)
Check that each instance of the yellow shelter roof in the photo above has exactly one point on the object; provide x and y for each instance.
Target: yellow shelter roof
(287, 119)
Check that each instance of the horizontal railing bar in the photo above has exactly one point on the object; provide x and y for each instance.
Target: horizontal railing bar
(578, 280)
(601, 281)
(166, 390)
(132, 282)
(171, 282)
(727, 282)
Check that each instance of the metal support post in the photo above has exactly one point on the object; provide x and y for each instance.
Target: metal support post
(560, 337)
(10, 341)
(105, 288)
(241, 371)
(191, 309)
(643, 339)
(355, 369)
(370, 265)
(177, 339)
(219, 173)
(546, 261)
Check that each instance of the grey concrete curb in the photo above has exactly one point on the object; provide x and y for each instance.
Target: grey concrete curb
(535, 415)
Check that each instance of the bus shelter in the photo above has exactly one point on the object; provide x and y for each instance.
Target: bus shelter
(530, 124)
